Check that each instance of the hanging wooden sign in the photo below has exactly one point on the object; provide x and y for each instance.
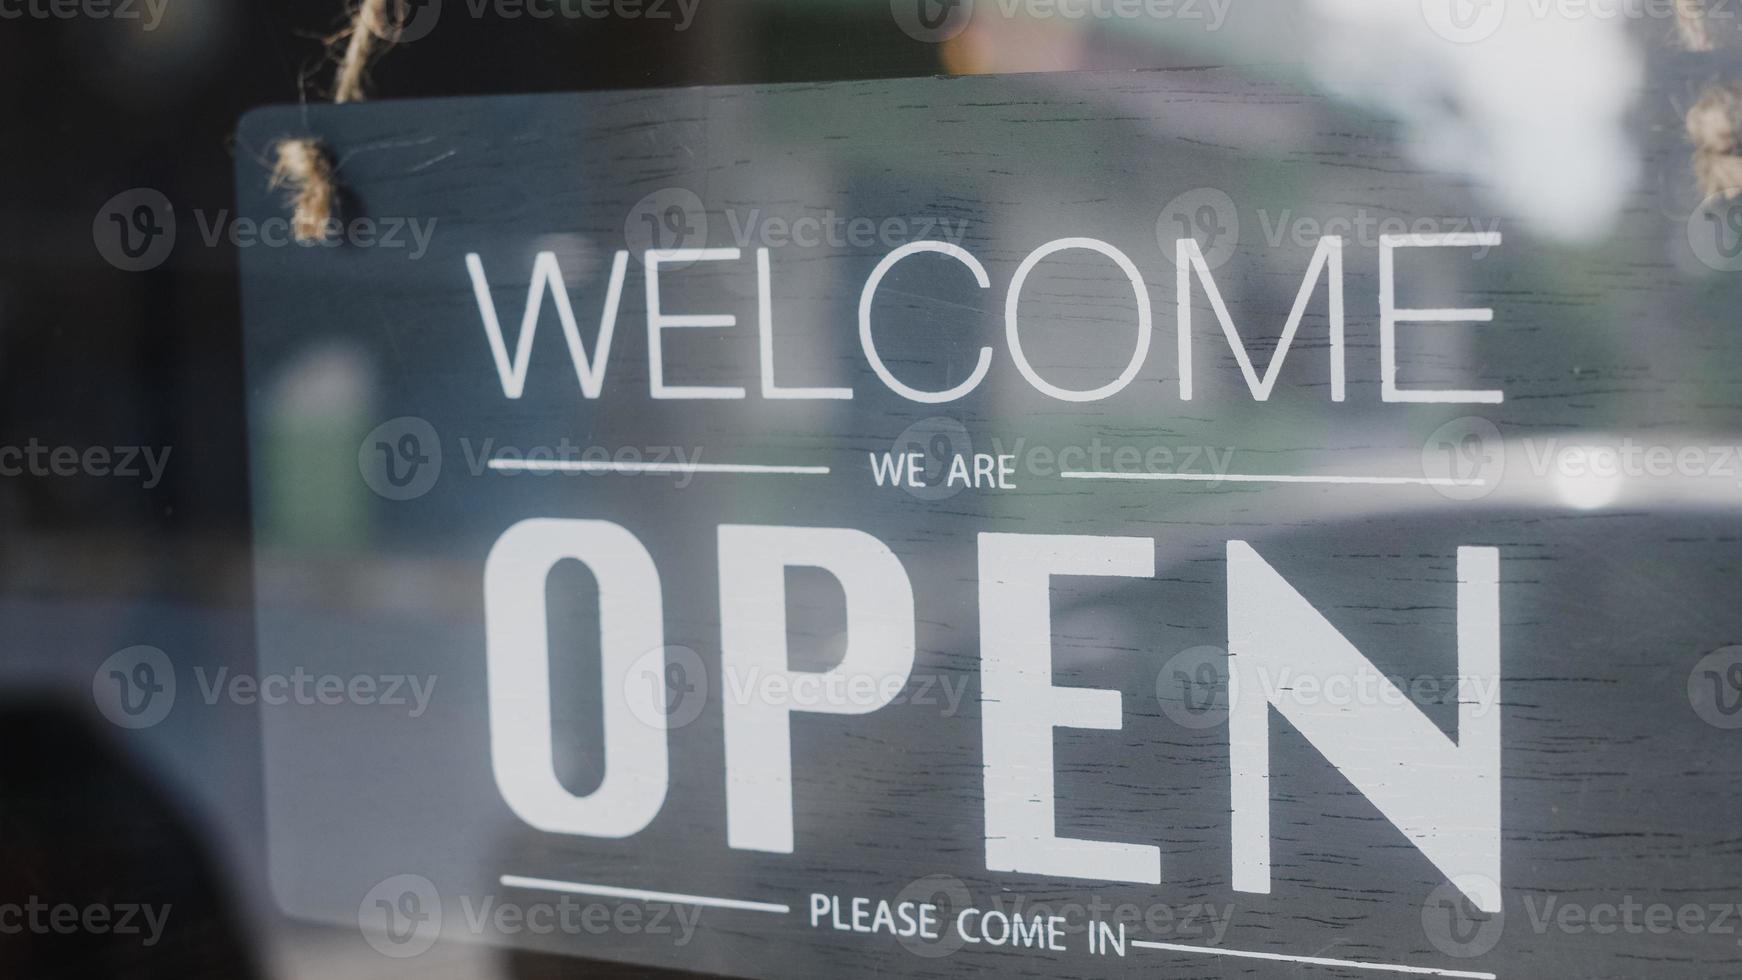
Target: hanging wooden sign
(1025, 525)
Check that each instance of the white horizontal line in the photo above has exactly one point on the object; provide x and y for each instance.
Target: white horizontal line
(1376, 481)
(635, 469)
(1313, 960)
(672, 898)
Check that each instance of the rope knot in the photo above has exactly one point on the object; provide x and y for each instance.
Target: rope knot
(1714, 124)
(1691, 22)
(374, 20)
(303, 169)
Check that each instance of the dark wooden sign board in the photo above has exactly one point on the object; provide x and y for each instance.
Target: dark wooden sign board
(719, 486)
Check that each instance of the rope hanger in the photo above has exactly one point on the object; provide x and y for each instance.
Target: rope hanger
(1714, 123)
(304, 168)
(302, 165)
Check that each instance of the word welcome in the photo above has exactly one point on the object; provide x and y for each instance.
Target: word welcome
(590, 367)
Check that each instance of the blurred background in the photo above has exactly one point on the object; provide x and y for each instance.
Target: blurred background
(1570, 123)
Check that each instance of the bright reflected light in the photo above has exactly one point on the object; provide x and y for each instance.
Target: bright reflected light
(1508, 93)
(1587, 491)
